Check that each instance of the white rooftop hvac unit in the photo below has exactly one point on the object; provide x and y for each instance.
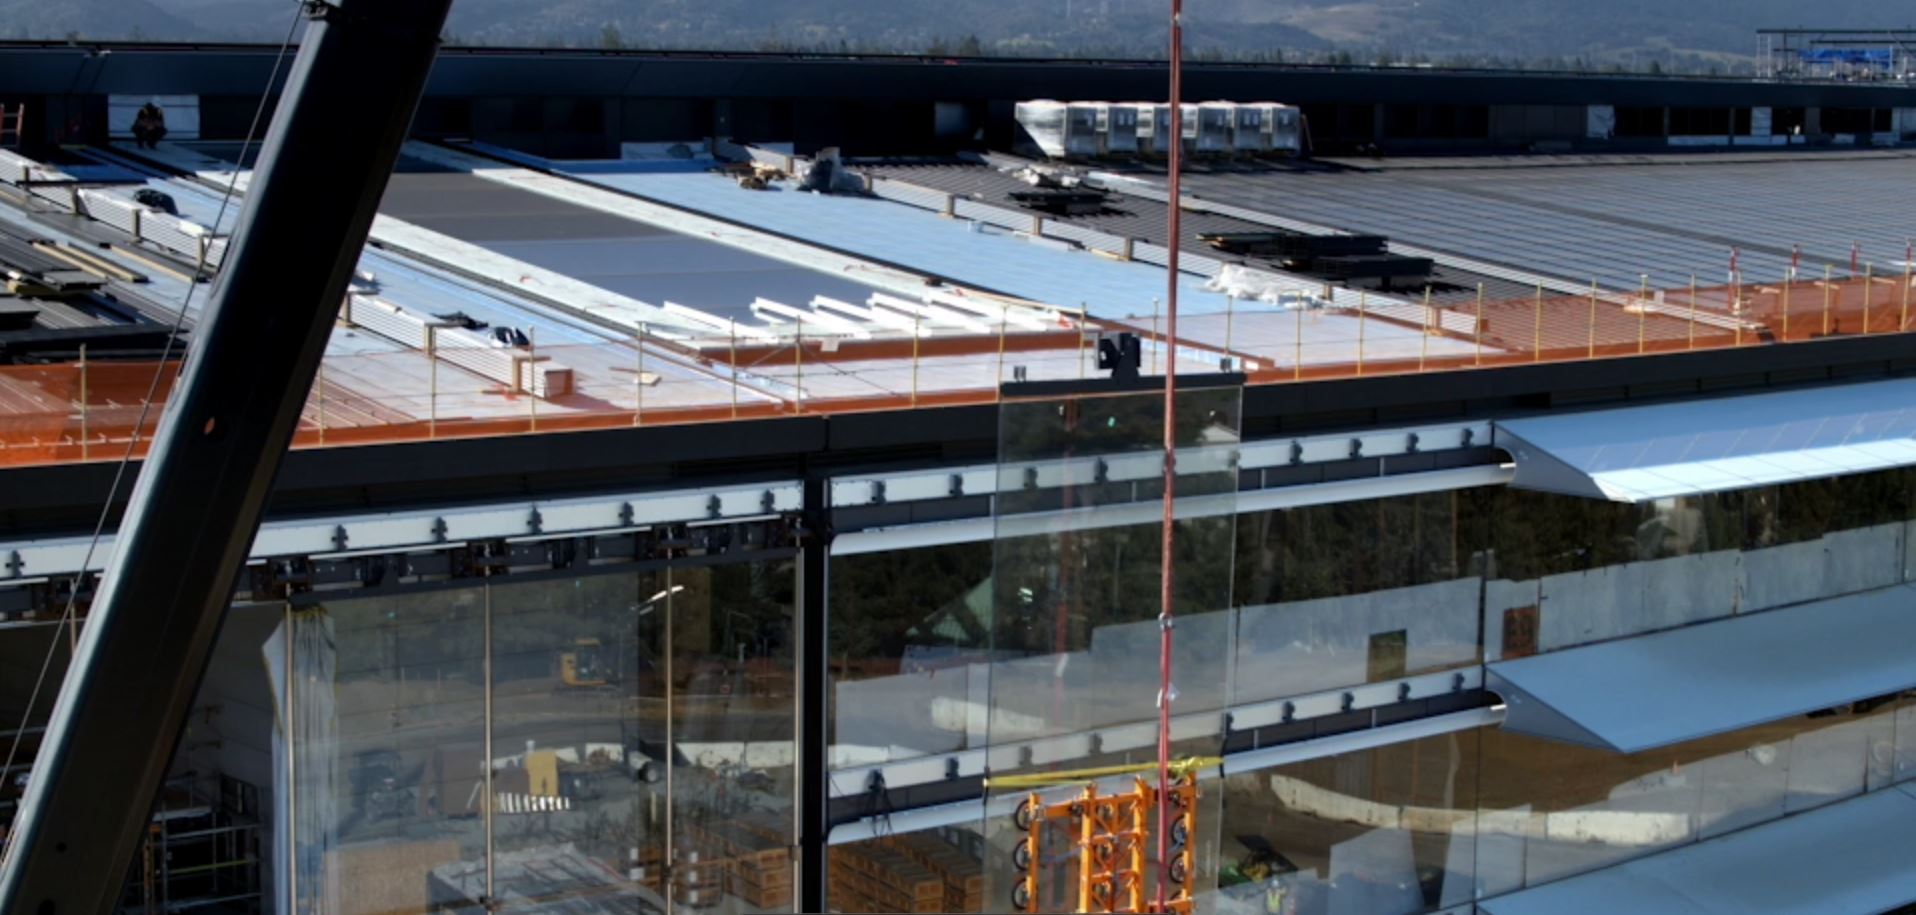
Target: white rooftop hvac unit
(1084, 124)
(1121, 129)
(1214, 127)
(1251, 127)
(1286, 129)
(1092, 129)
(1063, 129)
(1154, 126)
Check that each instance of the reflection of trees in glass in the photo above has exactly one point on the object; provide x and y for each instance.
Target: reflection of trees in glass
(1053, 592)
(885, 604)
(1535, 534)
(1348, 548)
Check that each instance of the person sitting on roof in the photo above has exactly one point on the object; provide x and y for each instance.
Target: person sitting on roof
(149, 125)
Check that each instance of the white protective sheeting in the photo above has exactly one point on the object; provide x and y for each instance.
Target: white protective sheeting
(300, 664)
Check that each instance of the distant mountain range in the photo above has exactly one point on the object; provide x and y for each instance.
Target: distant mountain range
(1680, 33)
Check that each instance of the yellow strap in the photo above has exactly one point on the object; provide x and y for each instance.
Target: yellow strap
(1179, 768)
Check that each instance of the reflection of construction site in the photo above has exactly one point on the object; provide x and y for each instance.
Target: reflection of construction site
(601, 744)
(1437, 822)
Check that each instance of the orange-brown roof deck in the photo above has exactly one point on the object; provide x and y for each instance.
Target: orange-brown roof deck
(100, 411)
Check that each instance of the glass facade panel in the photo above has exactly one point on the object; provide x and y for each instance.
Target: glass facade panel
(1562, 809)
(577, 810)
(1076, 636)
(1358, 592)
(730, 692)
(627, 733)
(908, 637)
(1904, 767)
(1388, 831)
(624, 737)
(1565, 571)
(391, 799)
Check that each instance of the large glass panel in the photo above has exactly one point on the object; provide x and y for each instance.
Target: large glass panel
(1352, 593)
(578, 797)
(731, 701)
(1566, 571)
(1562, 809)
(1387, 831)
(1905, 765)
(908, 630)
(389, 694)
(1075, 632)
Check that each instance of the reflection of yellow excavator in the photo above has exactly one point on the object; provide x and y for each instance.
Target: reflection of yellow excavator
(584, 666)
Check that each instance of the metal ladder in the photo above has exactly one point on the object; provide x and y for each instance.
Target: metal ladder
(12, 119)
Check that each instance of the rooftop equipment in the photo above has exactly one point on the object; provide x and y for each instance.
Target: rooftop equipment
(1084, 127)
(1214, 130)
(1336, 257)
(1121, 128)
(1084, 130)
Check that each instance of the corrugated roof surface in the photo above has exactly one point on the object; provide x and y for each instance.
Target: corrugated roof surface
(1143, 218)
(1613, 222)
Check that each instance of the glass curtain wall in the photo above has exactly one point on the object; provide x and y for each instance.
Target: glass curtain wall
(1075, 641)
(1564, 571)
(1333, 596)
(1446, 820)
(909, 633)
(619, 740)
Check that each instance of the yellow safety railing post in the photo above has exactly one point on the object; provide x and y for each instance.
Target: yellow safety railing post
(917, 328)
(1362, 309)
(1592, 354)
(1692, 340)
(85, 433)
(1433, 324)
(1869, 284)
(1536, 328)
(1643, 310)
(1829, 289)
(1480, 324)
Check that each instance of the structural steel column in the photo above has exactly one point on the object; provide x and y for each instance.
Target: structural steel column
(193, 513)
(814, 751)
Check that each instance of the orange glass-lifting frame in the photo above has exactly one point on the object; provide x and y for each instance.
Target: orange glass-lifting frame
(1112, 835)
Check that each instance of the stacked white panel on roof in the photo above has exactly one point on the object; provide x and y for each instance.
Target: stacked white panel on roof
(473, 352)
(117, 212)
(15, 168)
